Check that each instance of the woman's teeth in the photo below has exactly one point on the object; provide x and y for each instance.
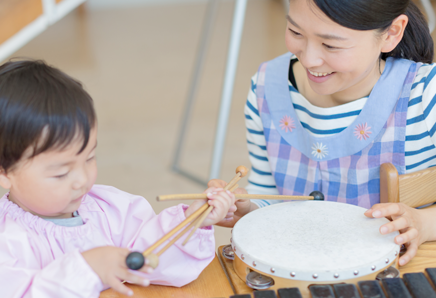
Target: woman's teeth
(319, 74)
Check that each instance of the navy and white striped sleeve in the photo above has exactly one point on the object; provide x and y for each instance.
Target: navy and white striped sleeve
(260, 179)
(421, 121)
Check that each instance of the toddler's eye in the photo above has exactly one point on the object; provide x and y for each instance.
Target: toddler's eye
(61, 176)
(91, 158)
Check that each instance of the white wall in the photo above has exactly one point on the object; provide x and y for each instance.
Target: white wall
(96, 4)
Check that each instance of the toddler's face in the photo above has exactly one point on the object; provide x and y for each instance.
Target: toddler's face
(335, 58)
(53, 183)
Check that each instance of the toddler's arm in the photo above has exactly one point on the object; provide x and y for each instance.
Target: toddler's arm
(67, 277)
(415, 225)
(133, 224)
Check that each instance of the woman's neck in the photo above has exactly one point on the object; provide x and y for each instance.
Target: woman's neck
(357, 91)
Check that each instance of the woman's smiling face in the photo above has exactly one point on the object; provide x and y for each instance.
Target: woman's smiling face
(336, 59)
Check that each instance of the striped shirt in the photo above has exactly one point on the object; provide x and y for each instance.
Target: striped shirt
(321, 122)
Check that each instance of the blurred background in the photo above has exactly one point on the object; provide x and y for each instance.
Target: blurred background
(136, 58)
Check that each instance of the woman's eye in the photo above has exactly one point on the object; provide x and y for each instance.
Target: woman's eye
(294, 32)
(91, 158)
(329, 47)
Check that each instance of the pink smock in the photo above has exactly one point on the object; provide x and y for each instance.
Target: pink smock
(41, 259)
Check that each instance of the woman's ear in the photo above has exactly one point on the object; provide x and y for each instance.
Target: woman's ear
(5, 182)
(393, 36)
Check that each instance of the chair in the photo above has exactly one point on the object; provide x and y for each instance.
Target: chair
(414, 189)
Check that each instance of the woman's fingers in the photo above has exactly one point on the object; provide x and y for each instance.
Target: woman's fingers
(396, 225)
(409, 236)
(385, 210)
(412, 248)
(217, 183)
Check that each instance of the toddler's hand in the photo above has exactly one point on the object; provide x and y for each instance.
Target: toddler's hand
(413, 224)
(242, 206)
(109, 263)
(223, 202)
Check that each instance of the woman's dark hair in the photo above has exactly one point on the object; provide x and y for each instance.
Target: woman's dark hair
(40, 107)
(416, 45)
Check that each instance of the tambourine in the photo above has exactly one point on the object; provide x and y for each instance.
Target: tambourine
(300, 243)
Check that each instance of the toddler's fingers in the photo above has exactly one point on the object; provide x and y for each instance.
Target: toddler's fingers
(212, 191)
(147, 269)
(396, 225)
(224, 196)
(410, 253)
(133, 278)
(219, 204)
(408, 236)
(115, 284)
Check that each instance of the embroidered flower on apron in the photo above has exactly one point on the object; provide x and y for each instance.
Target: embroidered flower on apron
(319, 150)
(362, 131)
(287, 123)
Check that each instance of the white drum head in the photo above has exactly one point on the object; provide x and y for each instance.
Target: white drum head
(313, 240)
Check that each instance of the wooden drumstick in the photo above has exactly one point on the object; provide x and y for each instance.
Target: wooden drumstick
(234, 188)
(203, 196)
(135, 260)
(177, 237)
(241, 171)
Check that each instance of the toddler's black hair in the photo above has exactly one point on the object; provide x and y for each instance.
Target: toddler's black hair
(40, 108)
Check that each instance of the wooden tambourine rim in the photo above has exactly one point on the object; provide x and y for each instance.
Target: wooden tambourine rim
(331, 276)
(243, 269)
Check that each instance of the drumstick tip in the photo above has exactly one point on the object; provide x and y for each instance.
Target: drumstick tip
(241, 169)
(317, 195)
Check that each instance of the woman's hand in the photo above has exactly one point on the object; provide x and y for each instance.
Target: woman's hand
(415, 225)
(109, 263)
(242, 206)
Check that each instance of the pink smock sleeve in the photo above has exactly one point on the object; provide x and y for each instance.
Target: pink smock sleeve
(26, 272)
(134, 224)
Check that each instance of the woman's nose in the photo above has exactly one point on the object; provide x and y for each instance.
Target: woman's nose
(311, 57)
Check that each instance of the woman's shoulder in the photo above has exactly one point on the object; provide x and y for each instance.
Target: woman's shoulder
(425, 74)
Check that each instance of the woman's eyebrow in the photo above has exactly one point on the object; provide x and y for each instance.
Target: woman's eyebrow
(324, 36)
(292, 21)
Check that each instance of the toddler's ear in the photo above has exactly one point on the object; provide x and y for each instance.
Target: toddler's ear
(5, 182)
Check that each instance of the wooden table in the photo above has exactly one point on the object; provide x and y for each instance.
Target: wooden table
(425, 258)
(212, 283)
